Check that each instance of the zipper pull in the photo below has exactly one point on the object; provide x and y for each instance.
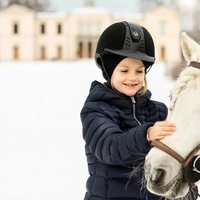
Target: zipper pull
(133, 100)
(134, 115)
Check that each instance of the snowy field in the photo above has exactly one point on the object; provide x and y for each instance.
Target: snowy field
(41, 146)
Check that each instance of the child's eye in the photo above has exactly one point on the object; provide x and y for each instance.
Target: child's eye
(140, 71)
(124, 71)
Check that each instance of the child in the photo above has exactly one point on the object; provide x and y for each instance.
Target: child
(119, 119)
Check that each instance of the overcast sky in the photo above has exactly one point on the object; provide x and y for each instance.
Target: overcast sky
(113, 5)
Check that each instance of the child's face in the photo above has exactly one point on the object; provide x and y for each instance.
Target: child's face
(128, 76)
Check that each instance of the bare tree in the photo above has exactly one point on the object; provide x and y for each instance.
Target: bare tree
(37, 5)
(195, 29)
(146, 5)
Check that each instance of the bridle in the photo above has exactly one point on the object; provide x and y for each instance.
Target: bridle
(194, 64)
(183, 161)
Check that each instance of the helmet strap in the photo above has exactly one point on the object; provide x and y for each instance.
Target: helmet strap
(148, 69)
(104, 69)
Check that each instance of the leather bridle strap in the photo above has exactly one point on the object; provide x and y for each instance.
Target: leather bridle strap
(195, 64)
(168, 150)
(171, 152)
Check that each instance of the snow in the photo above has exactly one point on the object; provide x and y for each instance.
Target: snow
(41, 147)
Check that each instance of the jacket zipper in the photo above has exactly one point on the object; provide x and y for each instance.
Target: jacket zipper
(134, 115)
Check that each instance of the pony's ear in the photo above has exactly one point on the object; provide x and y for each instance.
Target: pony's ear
(188, 46)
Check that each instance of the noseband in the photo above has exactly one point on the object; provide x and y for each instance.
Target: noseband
(184, 161)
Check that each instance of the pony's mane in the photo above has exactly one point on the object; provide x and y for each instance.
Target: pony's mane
(185, 76)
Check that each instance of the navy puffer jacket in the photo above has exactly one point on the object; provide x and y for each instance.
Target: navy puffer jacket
(114, 130)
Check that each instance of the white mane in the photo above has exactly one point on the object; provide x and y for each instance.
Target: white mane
(186, 76)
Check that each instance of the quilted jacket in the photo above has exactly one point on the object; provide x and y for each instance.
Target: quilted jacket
(114, 130)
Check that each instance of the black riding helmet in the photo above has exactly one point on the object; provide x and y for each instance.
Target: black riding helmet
(125, 39)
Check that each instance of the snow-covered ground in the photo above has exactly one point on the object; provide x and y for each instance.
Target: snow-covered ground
(41, 146)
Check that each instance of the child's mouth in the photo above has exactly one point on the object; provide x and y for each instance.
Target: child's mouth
(131, 85)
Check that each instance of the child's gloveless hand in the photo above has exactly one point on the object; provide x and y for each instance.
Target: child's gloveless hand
(160, 130)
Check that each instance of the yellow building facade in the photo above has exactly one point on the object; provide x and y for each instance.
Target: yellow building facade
(27, 35)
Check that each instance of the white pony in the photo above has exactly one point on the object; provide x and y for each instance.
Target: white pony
(163, 173)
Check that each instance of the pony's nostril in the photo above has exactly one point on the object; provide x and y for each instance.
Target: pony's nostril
(158, 176)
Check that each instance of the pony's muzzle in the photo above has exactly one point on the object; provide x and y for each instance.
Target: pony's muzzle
(164, 176)
(155, 176)
(158, 176)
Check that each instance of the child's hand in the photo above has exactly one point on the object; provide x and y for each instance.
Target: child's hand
(160, 130)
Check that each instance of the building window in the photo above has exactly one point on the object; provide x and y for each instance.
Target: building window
(15, 28)
(42, 53)
(59, 28)
(90, 50)
(42, 28)
(162, 53)
(80, 50)
(15, 53)
(59, 53)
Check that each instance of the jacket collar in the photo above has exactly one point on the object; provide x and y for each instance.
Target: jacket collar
(104, 93)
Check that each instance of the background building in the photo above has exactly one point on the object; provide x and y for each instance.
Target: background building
(28, 35)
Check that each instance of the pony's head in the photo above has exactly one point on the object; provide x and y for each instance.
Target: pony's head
(164, 173)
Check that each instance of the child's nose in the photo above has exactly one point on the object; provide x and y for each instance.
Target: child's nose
(132, 77)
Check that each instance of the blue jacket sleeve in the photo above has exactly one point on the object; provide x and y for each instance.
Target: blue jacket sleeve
(109, 143)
